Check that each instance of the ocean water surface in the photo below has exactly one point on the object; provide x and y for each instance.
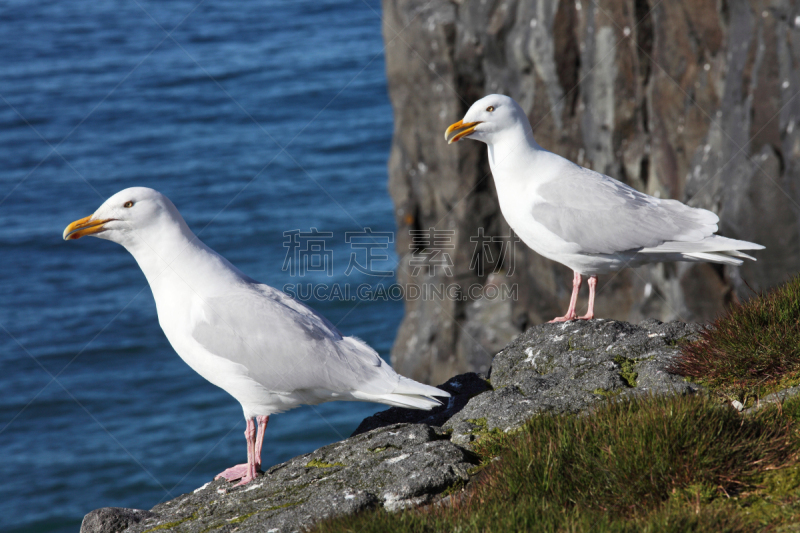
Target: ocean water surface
(255, 118)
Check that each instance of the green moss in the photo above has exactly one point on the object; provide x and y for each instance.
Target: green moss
(782, 383)
(607, 393)
(240, 519)
(681, 341)
(480, 427)
(573, 346)
(480, 422)
(316, 463)
(774, 503)
(170, 525)
(782, 482)
(490, 443)
(475, 469)
(627, 370)
(282, 506)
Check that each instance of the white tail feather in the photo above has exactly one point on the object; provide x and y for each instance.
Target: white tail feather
(712, 244)
(400, 400)
(737, 253)
(389, 387)
(721, 258)
(714, 249)
(410, 387)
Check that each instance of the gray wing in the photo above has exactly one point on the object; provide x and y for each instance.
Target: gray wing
(283, 344)
(605, 216)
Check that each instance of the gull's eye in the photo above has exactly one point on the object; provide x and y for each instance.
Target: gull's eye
(128, 204)
(490, 108)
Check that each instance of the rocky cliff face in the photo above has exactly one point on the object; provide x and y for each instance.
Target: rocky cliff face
(400, 458)
(695, 100)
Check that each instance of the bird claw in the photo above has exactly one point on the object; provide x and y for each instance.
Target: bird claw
(245, 480)
(236, 472)
(565, 318)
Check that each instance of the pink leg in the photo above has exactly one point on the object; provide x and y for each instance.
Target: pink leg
(262, 425)
(576, 285)
(245, 472)
(250, 435)
(592, 286)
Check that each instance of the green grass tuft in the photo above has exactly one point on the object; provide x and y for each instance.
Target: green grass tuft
(642, 464)
(752, 350)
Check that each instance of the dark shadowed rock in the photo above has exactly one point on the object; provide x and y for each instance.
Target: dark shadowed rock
(402, 457)
(462, 388)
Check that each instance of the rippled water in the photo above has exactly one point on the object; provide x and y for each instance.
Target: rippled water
(196, 100)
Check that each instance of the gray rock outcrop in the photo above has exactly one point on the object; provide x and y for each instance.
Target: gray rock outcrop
(688, 99)
(113, 519)
(569, 367)
(400, 458)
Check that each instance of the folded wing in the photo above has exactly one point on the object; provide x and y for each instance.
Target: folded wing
(287, 347)
(604, 216)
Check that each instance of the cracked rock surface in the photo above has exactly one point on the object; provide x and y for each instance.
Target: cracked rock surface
(569, 367)
(394, 466)
(400, 458)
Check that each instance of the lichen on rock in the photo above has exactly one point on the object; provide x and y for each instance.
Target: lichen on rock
(402, 458)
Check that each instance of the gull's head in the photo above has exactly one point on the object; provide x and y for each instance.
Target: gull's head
(488, 119)
(130, 211)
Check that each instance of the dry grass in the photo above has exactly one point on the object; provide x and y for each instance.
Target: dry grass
(753, 349)
(653, 464)
(648, 464)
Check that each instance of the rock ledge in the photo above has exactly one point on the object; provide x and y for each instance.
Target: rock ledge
(400, 458)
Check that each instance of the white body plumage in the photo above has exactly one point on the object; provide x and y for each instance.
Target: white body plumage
(265, 349)
(590, 222)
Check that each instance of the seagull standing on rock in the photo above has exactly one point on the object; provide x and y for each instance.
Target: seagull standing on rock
(264, 348)
(580, 218)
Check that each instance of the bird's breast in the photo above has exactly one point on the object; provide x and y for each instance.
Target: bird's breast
(517, 203)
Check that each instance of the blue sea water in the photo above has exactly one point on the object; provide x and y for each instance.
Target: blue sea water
(255, 118)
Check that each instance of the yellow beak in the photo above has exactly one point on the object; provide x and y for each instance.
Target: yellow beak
(459, 130)
(85, 226)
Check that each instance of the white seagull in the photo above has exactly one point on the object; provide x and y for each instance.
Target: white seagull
(585, 220)
(265, 349)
